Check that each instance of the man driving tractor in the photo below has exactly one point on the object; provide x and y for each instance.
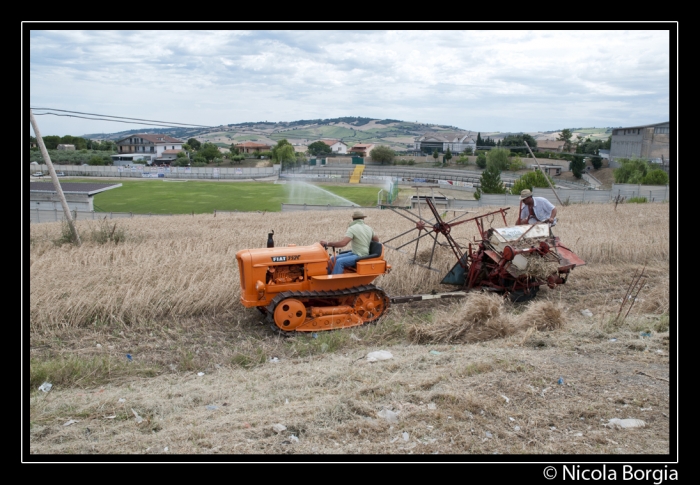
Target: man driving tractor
(361, 235)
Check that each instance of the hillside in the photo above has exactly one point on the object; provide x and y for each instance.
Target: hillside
(399, 135)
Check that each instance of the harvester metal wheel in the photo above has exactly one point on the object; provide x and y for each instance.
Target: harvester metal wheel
(519, 296)
(370, 305)
(289, 314)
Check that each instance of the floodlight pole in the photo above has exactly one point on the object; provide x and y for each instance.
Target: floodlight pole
(54, 178)
(545, 175)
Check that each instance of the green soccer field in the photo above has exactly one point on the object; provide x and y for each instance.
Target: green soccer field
(165, 197)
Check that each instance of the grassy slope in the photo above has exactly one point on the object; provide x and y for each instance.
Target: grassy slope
(159, 197)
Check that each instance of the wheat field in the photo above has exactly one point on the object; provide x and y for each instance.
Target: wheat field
(468, 377)
(184, 266)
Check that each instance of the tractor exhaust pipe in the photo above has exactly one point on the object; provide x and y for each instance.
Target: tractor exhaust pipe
(270, 242)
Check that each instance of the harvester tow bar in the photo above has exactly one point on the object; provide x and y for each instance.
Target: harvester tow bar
(431, 296)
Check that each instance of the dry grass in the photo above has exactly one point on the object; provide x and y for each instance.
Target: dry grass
(471, 376)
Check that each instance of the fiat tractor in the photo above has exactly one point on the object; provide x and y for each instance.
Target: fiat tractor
(292, 287)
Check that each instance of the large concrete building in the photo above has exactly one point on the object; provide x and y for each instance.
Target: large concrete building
(650, 142)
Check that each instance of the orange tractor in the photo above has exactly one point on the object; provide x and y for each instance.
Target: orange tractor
(292, 287)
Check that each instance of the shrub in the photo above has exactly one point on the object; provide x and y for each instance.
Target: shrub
(637, 200)
(530, 180)
(107, 232)
(516, 164)
(498, 158)
(481, 160)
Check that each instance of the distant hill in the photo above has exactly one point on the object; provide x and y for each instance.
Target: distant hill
(397, 134)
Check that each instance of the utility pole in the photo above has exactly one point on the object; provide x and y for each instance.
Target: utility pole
(545, 175)
(54, 178)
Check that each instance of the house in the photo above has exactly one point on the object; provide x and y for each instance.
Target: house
(361, 149)
(65, 147)
(151, 146)
(252, 147)
(551, 169)
(456, 142)
(337, 146)
(550, 146)
(649, 142)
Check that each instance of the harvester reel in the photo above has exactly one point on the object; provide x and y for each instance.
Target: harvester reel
(432, 228)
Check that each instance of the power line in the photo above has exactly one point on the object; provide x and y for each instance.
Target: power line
(106, 119)
(167, 123)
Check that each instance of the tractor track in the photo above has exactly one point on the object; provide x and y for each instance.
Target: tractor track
(320, 295)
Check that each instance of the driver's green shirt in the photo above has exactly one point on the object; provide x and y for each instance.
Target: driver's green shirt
(361, 235)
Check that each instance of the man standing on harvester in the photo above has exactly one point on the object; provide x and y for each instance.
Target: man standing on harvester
(361, 235)
(536, 209)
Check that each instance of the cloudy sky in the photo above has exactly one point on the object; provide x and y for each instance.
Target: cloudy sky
(481, 80)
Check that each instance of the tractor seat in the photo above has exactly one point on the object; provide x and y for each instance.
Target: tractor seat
(375, 251)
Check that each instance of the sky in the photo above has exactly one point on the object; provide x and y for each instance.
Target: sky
(469, 77)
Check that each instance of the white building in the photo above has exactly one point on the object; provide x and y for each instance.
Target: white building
(457, 142)
(337, 146)
(153, 147)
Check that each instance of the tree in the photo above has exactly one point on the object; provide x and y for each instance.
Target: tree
(234, 149)
(318, 148)
(519, 141)
(469, 150)
(80, 143)
(630, 171)
(577, 165)
(448, 156)
(96, 160)
(283, 153)
(209, 151)
(597, 162)
(479, 141)
(536, 178)
(565, 136)
(481, 160)
(51, 141)
(194, 143)
(498, 157)
(490, 182)
(435, 154)
(181, 160)
(382, 154)
(655, 176)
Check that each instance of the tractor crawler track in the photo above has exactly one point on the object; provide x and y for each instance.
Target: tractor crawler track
(321, 296)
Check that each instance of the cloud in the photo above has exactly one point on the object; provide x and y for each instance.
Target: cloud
(478, 79)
